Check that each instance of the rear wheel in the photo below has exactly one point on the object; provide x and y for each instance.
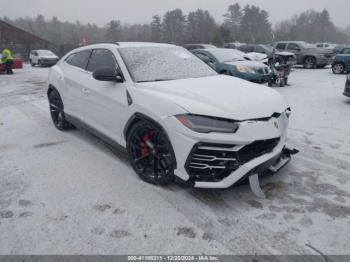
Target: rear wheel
(151, 153)
(57, 113)
(309, 62)
(338, 68)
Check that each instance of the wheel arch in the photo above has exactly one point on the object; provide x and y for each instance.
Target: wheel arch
(137, 117)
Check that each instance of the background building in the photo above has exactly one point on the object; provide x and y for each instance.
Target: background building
(19, 41)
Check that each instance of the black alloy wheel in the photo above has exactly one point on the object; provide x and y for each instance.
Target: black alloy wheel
(57, 113)
(151, 153)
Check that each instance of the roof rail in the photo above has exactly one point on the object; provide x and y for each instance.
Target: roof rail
(107, 42)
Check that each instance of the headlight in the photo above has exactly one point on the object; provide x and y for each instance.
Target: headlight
(205, 124)
(244, 69)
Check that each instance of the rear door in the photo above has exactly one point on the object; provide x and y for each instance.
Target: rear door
(74, 71)
(281, 46)
(35, 57)
(345, 57)
(105, 101)
(297, 50)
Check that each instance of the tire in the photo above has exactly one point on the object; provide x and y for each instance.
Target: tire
(40, 63)
(57, 112)
(338, 68)
(31, 63)
(310, 62)
(150, 153)
(286, 80)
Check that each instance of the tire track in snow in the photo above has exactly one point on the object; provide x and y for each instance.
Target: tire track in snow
(236, 232)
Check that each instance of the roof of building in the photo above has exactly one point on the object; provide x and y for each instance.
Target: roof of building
(13, 34)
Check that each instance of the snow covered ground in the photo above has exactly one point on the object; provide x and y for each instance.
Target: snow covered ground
(68, 193)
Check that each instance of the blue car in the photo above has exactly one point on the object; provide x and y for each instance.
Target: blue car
(341, 62)
(229, 62)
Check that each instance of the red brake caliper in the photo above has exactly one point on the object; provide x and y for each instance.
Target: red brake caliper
(144, 147)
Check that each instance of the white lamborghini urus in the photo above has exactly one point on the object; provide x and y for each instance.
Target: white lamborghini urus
(175, 116)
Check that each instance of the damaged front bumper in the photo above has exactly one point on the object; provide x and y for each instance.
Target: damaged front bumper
(278, 164)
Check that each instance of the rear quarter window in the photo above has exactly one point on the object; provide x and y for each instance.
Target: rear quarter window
(281, 46)
(79, 59)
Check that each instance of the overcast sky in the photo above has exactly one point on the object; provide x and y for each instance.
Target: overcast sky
(141, 11)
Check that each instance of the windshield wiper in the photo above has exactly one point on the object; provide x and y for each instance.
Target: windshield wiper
(154, 80)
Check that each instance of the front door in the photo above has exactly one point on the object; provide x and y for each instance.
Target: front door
(105, 102)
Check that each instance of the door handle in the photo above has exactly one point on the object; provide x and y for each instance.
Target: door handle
(86, 91)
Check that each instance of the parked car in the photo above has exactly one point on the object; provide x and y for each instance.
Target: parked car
(307, 55)
(42, 58)
(17, 63)
(175, 116)
(227, 62)
(341, 62)
(347, 87)
(232, 45)
(198, 46)
(262, 49)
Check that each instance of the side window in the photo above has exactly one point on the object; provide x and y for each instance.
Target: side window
(281, 46)
(260, 49)
(293, 46)
(204, 57)
(35, 53)
(101, 58)
(319, 45)
(79, 59)
(250, 48)
(346, 51)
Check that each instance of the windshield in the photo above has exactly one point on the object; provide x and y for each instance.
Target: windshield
(148, 64)
(45, 52)
(226, 55)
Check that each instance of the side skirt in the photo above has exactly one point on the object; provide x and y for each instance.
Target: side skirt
(81, 125)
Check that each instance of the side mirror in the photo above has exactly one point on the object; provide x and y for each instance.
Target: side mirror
(108, 75)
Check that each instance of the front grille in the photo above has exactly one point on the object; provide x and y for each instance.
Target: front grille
(213, 162)
(256, 149)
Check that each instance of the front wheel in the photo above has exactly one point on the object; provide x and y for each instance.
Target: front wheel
(151, 153)
(338, 68)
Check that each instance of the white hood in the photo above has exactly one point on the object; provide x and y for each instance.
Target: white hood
(219, 96)
(256, 56)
